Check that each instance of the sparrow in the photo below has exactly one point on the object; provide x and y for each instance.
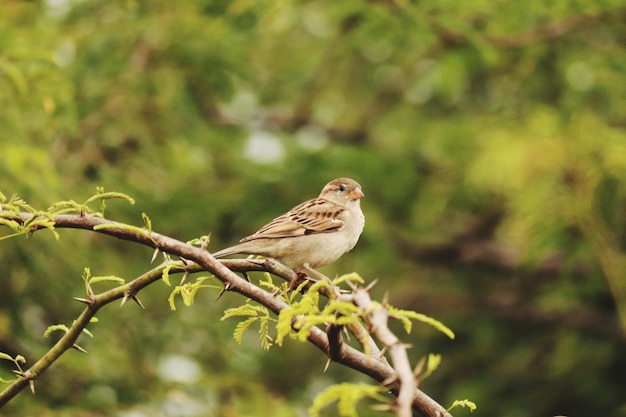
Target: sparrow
(312, 234)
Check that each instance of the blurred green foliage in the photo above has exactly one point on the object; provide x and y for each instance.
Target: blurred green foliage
(489, 138)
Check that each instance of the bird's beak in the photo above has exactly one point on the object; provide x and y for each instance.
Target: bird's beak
(356, 194)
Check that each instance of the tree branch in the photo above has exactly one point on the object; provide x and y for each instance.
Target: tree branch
(378, 317)
(344, 354)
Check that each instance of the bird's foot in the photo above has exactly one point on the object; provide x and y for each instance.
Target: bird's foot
(300, 278)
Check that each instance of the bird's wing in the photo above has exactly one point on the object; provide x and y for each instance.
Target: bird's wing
(314, 216)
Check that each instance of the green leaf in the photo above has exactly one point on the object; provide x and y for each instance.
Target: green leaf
(86, 275)
(406, 316)
(55, 327)
(16, 204)
(107, 278)
(189, 290)
(283, 325)
(268, 283)
(121, 226)
(200, 241)
(38, 220)
(36, 223)
(165, 273)
(264, 332)
(254, 313)
(463, 403)
(102, 197)
(243, 310)
(352, 277)
(348, 396)
(241, 328)
(69, 207)
(304, 314)
(432, 363)
(147, 222)
(17, 360)
(172, 298)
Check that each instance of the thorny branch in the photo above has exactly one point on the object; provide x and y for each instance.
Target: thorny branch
(378, 317)
(409, 396)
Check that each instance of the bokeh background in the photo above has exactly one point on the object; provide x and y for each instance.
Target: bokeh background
(489, 137)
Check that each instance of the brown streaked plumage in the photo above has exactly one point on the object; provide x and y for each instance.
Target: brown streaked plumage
(316, 232)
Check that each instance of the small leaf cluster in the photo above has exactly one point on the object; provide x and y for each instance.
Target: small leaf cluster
(304, 313)
(347, 395)
(463, 403)
(89, 280)
(406, 317)
(17, 360)
(8, 217)
(187, 291)
(72, 207)
(44, 219)
(254, 314)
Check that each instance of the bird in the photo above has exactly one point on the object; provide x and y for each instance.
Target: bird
(314, 233)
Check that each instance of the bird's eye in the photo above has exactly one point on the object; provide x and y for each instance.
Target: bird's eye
(342, 188)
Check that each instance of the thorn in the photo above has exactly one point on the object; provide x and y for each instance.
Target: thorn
(184, 277)
(390, 381)
(383, 351)
(245, 275)
(205, 242)
(78, 348)
(154, 254)
(371, 285)
(328, 362)
(129, 295)
(346, 333)
(29, 376)
(226, 288)
(419, 368)
(135, 299)
(126, 295)
(90, 291)
(386, 298)
(84, 300)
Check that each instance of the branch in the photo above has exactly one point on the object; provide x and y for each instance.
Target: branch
(378, 317)
(68, 341)
(344, 354)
